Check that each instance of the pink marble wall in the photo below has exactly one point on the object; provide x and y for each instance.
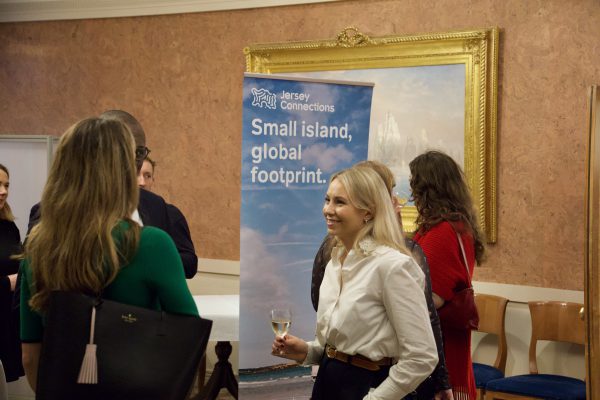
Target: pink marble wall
(181, 75)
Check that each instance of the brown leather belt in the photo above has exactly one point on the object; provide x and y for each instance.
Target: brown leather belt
(357, 360)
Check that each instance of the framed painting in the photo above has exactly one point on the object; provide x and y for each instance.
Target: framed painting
(431, 91)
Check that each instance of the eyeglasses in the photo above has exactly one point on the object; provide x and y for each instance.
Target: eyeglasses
(141, 152)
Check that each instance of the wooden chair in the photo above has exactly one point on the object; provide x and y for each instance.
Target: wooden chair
(492, 310)
(551, 320)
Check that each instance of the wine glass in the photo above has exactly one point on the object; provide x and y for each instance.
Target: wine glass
(400, 201)
(281, 319)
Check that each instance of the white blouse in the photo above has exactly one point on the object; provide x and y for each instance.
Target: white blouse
(374, 305)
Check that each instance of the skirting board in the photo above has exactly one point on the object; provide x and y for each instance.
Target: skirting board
(213, 266)
(523, 294)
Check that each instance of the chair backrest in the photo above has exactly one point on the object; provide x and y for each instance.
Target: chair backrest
(492, 310)
(554, 320)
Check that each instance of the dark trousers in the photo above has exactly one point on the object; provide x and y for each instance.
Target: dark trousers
(337, 380)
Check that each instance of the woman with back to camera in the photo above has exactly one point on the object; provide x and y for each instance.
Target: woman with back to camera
(372, 307)
(445, 208)
(86, 240)
(10, 245)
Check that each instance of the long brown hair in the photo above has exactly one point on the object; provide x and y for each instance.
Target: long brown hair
(92, 186)
(6, 212)
(440, 193)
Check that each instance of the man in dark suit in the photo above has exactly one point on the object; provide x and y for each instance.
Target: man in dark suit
(179, 225)
(152, 208)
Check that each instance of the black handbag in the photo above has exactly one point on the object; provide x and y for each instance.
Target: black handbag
(139, 353)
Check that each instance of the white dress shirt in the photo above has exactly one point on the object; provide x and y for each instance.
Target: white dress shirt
(374, 305)
(137, 218)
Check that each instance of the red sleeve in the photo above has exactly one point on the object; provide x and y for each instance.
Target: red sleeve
(448, 273)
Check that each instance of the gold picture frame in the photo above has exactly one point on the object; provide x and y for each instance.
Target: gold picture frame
(477, 50)
(592, 254)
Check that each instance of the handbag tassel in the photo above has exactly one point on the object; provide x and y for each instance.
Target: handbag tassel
(88, 374)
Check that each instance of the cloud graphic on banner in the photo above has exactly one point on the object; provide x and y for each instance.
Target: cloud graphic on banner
(282, 230)
(305, 262)
(327, 158)
(326, 94)
(268, 206)
(262, 271)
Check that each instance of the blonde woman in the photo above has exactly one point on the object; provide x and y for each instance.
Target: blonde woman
(86, 240)
(372, 310)
(10, 245)
(437, 385)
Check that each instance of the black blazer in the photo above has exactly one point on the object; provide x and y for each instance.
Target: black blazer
(180, 232)
(154, 212)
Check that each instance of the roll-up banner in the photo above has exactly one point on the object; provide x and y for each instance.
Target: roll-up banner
(296, 133)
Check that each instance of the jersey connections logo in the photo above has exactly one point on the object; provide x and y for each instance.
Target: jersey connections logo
(264, 98)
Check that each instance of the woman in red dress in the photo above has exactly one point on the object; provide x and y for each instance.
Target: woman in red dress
(446, 211)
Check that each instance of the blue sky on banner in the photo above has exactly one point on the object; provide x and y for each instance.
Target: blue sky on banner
(282, 196)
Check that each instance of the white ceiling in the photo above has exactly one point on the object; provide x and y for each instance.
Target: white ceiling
(45, 10)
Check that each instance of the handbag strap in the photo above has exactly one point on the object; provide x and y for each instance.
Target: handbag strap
(462, 250)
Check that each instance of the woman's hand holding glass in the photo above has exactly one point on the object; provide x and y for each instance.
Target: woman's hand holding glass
(284, 345)
(289, 347)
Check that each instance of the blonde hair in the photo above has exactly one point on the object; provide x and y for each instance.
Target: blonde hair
(367, 191)
(92, 186)
(6, 212)
(382, 170)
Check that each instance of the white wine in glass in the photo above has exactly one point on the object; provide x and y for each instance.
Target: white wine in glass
(281, 319)
(401, 201)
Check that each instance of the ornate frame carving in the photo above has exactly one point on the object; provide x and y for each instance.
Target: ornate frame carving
(476, 49)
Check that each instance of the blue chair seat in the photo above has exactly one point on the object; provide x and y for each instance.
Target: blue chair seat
(485, 373)
(554, 387)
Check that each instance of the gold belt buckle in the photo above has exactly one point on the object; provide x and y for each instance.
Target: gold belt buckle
(331, 352)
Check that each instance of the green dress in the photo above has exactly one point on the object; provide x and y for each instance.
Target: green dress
(154, 279)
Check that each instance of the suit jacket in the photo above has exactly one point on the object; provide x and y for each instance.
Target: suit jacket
(180, 232)
(154, 212)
